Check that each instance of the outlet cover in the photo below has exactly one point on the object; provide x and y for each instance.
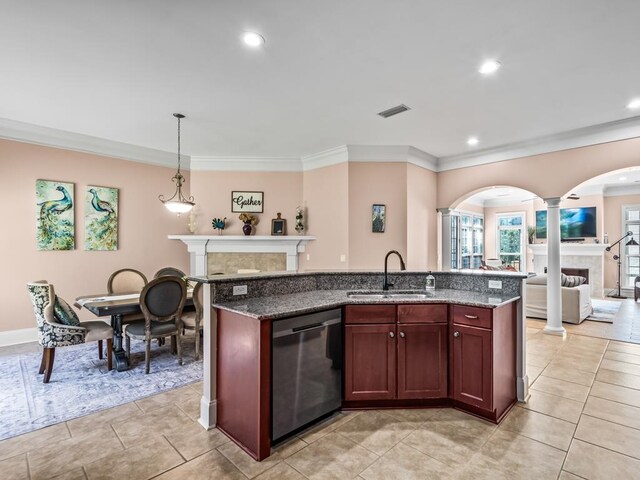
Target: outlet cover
(240, 290)
(343, 258)
(496, 284)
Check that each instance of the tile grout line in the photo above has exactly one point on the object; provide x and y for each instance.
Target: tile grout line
(573, 437)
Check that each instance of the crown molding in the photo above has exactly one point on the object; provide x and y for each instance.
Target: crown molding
(422, 159)
(326, 158)
(246, 164)
(393, 154)
(51, 137)
(582, 137)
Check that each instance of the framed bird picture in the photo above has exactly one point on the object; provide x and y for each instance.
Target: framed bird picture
(55, 226)
(101, 218)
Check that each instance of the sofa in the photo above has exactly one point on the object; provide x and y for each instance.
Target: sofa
(576, 301)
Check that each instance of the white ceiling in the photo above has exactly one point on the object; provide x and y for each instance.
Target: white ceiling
(118, 70)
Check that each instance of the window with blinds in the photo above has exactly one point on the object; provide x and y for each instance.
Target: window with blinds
(631, 253)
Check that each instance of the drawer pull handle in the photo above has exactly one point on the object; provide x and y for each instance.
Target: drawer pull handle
(391, 334)
(472, 317)
(456, 334)
(401, 334)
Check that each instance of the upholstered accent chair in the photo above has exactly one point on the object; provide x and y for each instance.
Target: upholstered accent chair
(162, 301)
(636, 288)
(193, 320)
(169, 271)
(50, 312)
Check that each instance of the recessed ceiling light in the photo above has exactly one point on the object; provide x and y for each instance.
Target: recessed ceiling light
(622, 179)
(253, 39)
(489, 67)
(633, 104)
(472, 141)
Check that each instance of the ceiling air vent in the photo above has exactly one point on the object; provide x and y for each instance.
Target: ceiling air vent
(394, 111)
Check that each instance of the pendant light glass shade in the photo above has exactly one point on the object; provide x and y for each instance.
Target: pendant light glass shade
(178, 203)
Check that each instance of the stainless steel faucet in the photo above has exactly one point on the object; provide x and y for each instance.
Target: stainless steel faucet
(386, 284)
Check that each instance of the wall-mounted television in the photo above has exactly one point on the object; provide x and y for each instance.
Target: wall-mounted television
(574, 223)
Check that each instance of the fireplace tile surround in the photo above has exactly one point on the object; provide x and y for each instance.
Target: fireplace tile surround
(576, 255)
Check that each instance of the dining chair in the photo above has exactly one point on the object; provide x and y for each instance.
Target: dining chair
(161, 301)
(169, 271)
(126, 280)
(193, 320)
(59, 326)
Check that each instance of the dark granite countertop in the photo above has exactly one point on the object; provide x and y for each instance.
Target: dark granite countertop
(264, 275)
(274, 307)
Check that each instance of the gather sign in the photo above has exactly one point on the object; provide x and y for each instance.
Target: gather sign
(247, 202)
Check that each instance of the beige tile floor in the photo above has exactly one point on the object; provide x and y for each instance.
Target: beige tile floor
(582, 421)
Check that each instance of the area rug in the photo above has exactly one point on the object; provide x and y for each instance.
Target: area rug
(81, 384)
(603, 311)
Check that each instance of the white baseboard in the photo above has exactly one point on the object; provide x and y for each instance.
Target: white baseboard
(14, 337)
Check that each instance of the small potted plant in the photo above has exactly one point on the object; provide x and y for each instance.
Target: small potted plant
(249, 221)
(531, 231)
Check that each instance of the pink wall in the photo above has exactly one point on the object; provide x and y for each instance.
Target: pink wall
(212, 191)
(326, 198)
(369, 183)
(570, 168)
(143, 228)
(422, 218)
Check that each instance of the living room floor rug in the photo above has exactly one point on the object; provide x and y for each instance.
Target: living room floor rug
(81, 384)
(603, 311)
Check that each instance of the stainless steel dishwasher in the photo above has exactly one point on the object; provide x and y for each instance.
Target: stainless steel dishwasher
(306, 370)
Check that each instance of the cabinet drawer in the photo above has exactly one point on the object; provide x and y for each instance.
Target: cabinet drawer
(422, 313)
(370, 314)
(472, 316)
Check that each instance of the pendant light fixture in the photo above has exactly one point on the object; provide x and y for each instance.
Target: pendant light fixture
(178, 203)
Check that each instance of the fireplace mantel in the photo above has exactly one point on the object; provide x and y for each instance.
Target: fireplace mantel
(570, 248)
(576, 255)
(199, 245)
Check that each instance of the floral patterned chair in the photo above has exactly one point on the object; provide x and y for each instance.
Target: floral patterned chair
(58, 326)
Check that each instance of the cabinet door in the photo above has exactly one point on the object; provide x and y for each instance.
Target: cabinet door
(471, 366)
(422, 361)
(370, 362)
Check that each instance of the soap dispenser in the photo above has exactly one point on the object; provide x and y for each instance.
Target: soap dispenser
(431, 282)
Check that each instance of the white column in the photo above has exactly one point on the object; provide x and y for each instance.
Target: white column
(208, 402)
(446, 237)
(554, 294)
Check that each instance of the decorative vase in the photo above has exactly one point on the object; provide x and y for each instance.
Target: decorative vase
(247, 228)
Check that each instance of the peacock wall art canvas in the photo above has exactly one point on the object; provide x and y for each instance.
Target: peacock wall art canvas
(101, 218)
(55, 222)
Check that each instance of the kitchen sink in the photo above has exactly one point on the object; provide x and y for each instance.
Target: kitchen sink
(390, 295)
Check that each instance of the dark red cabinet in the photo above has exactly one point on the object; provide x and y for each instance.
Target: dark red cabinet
(471, 368)
(395, 361)
(422, 361)
(483, 359)
(370, 362)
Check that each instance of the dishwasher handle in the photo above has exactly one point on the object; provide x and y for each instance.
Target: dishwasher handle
(306, 328)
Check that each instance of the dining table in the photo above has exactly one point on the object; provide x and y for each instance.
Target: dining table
(116, 306)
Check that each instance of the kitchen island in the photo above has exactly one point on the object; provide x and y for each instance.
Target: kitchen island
(460, 345)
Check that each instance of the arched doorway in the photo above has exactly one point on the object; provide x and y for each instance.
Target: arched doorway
(615, 198)
(491, 226)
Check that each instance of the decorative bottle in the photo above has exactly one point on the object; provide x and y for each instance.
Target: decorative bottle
(431, 282)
